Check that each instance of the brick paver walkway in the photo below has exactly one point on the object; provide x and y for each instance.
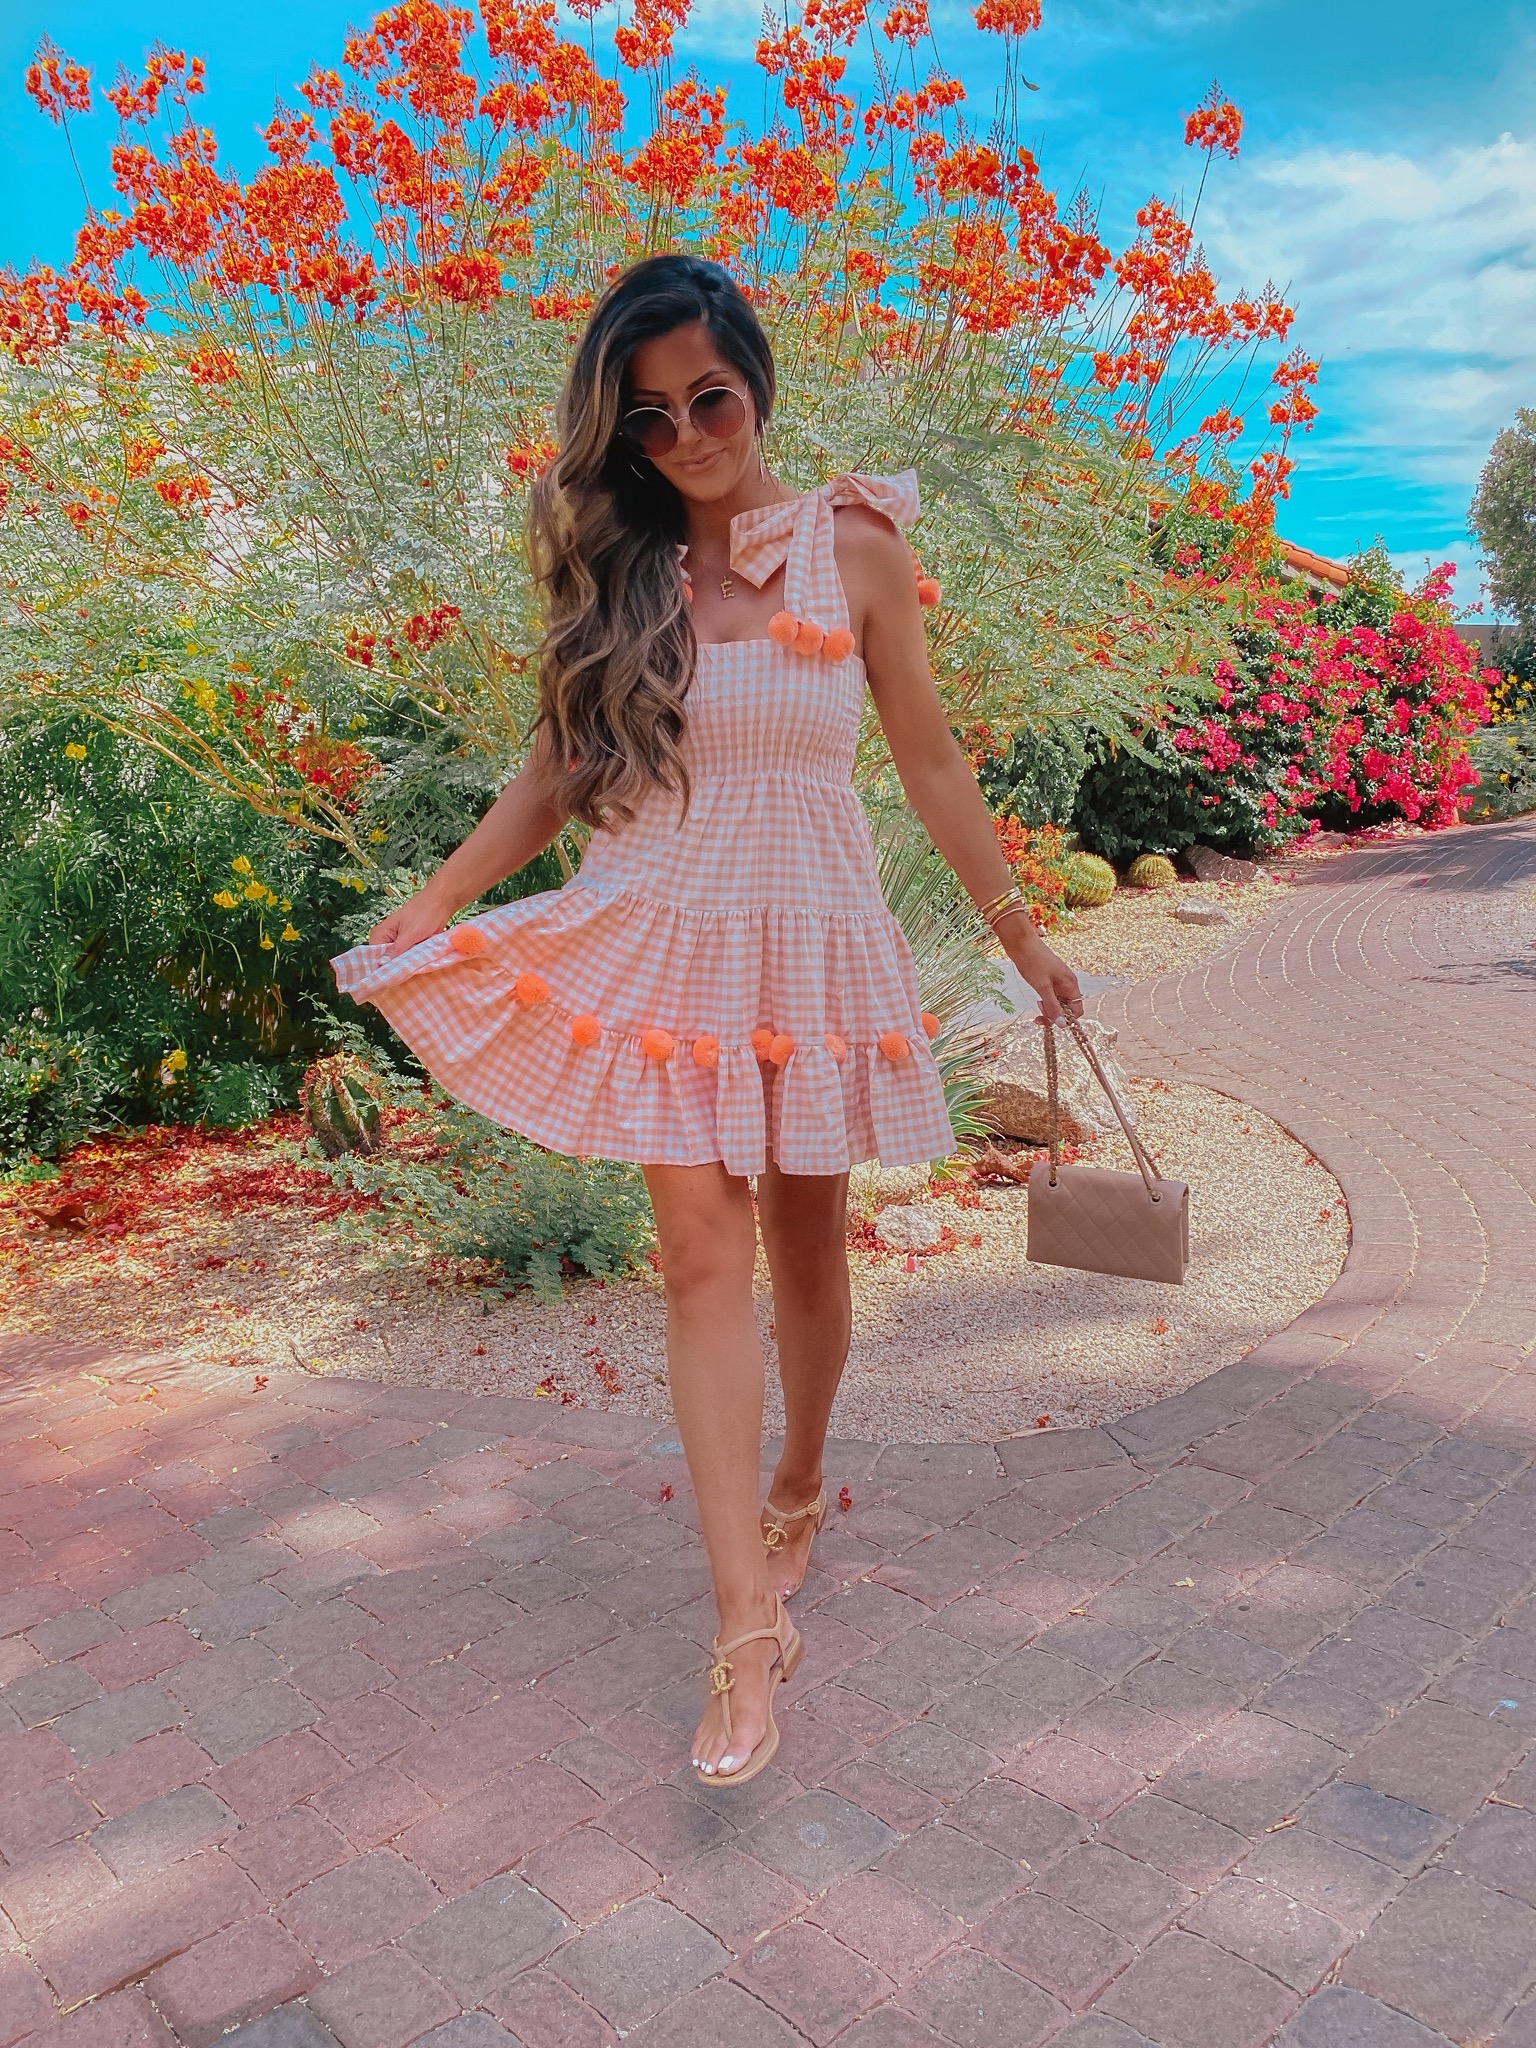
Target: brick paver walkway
(339, 1714)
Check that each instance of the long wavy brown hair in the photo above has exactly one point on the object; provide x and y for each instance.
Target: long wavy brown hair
(603, 527)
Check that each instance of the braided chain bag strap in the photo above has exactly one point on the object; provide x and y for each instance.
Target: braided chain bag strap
(1135, 1225)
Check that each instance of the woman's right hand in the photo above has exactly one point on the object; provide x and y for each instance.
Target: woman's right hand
(418, 918)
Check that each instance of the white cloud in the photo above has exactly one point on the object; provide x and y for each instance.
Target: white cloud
(1414, 279)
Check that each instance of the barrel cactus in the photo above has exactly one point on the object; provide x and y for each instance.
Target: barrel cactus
(341, 1100)
(1152, 871)
(1090, 881)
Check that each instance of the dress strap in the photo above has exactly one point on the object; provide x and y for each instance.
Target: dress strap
(799, 534)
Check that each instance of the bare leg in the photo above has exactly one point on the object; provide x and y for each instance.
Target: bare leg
(708, 1243)
(805, 1234)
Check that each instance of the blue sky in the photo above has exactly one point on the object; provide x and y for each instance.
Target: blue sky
(1387, 183)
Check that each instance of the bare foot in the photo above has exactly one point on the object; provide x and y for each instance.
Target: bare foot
(714, 1752)
(789, 1548)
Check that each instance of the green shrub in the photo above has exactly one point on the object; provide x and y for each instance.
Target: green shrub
(1504, 756)
(172, 930)
(490, 1194)
(1035, 779)
(182, 939)
(464, 1186)
(229, 1094)
(1129, 804)
(54, 1088)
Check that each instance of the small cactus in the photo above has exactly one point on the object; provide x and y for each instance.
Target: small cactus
(1152, 871)
(341, 1100)
(1090, 881)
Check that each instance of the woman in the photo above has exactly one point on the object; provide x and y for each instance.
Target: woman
(720, 993)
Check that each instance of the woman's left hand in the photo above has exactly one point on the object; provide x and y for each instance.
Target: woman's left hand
(1045, 971)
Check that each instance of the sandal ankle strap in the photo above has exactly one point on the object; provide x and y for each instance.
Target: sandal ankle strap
(773, 1633)
(779, 1519)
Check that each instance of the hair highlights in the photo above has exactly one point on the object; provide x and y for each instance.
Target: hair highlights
(618, 652)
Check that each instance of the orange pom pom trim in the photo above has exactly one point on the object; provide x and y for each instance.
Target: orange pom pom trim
(838, 1047)
(893, 1045)
(531, 990)
(761, 1041)
(782, 628)
(781, 1048)
(928, 592)
(838, 644)
(467, 939)
(585, 1031)
(810, 637)
(706, 1051)
(931, 1024)
(657, 1045)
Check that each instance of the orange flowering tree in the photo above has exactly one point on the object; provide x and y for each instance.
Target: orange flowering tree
(265, 443)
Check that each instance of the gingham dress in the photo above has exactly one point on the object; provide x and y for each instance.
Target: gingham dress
(725, 984)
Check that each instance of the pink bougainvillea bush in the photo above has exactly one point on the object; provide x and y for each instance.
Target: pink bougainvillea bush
(1341, 711)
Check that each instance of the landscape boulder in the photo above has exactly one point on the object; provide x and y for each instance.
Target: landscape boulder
(1195, 911)
(1015, 1081)
(1207, 865)
(909, 1226)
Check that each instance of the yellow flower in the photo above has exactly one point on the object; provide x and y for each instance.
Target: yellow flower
(266, 943)
(285, 906)
(378, 836)
(225, 900)
(74, 751)
(240, 864)
(253, 892)
(176, 1061)
(289, 932)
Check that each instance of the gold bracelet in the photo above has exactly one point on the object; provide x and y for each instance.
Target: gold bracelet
(1010, 895)
(1022, 908)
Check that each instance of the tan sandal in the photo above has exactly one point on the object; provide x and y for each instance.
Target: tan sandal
(722, 1676)
(777, 1531)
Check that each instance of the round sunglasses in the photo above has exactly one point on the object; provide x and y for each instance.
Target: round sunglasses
(717, 413)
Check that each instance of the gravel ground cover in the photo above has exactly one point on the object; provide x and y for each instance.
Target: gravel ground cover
(970, 1340)
(1135, 935)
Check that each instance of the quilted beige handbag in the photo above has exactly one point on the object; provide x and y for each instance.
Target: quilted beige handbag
(1132, 1224)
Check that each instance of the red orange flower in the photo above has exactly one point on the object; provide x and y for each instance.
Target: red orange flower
(58, 85)
(1215, 124)
(1009, 17)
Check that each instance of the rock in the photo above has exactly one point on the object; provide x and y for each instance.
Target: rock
(1193, 911)
(1207, 865)
(870, 1185)
(909, 1227)
(1015, 1077)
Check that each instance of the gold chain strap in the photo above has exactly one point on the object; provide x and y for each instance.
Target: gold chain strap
(1146, 1165)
